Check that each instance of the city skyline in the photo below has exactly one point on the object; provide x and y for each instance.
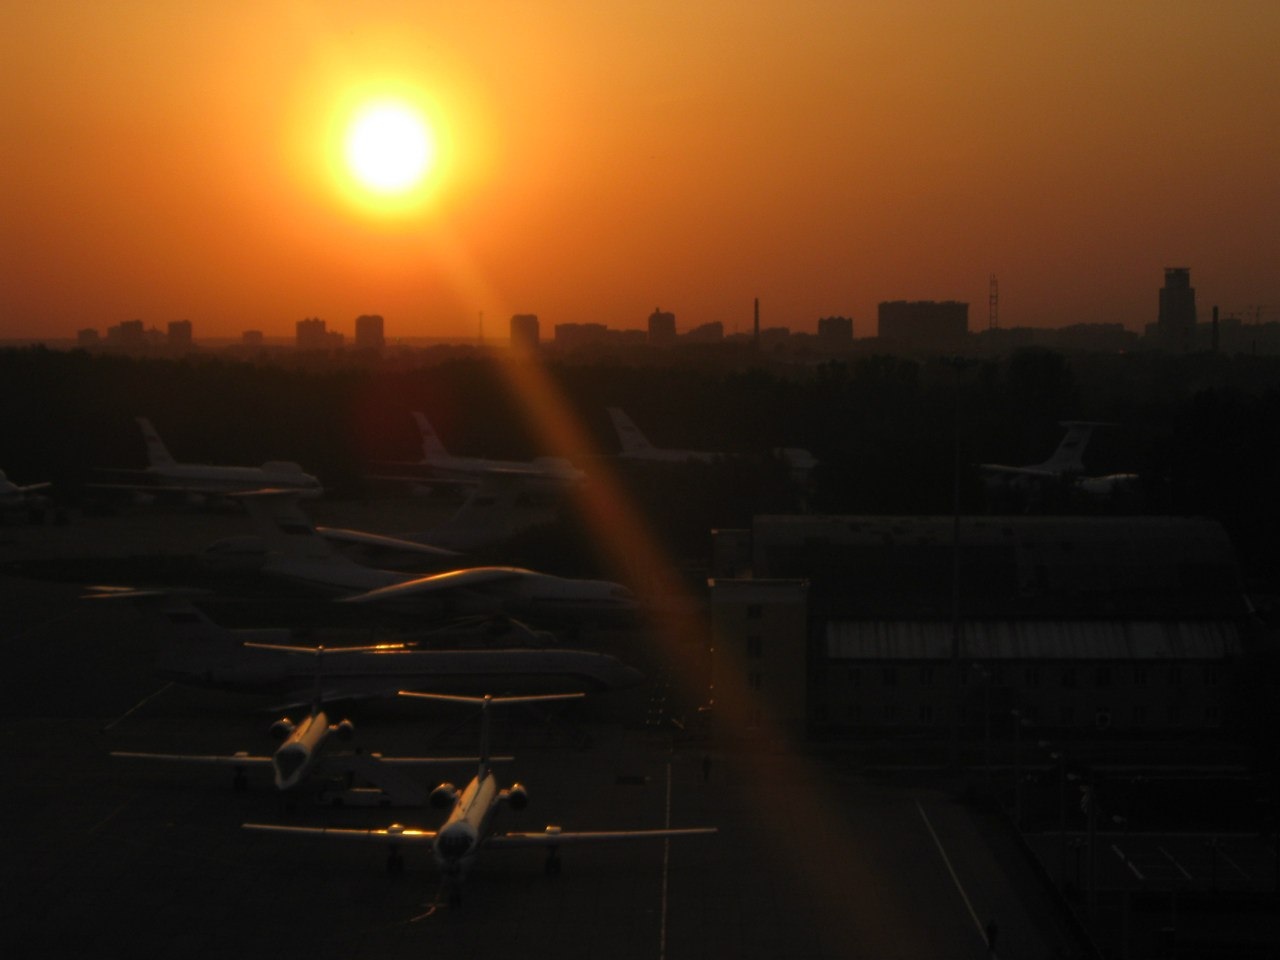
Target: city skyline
(590, 164)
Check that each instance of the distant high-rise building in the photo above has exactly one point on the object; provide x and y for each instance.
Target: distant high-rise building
(524, 331)
(835, 331)
(128, 334)
(580, 334)
(180, 334)
(706, 333)
(924, 324)
(369, 334)
(1176, 325)
(87, 338)
(252, 338)
(662, 328)
(311, 334)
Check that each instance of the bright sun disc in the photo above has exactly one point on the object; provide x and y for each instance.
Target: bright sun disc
(389, 148)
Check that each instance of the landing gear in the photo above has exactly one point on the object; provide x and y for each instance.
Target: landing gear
(553, 863)
(240, 783)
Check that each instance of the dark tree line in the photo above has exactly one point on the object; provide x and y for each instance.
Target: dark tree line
(1202, 430)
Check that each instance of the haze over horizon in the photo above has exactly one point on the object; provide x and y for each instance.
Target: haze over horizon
(176, 160)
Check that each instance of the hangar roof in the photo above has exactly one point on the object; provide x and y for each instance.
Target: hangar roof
(1033, 640)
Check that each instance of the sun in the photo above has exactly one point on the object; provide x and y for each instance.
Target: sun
(389, 148)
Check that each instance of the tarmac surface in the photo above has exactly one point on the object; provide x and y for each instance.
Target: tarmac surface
(106, 857)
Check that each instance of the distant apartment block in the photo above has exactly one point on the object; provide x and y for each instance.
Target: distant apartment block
(662, 328)
(87, 338)
(706, 333)
(924, 324)
(252, 338)
(180, 334)
(572, 335)
(369, 332)
(524, 331)
(311, 334)
(835, 331)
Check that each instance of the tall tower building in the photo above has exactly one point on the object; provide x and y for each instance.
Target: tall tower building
(524, 331)
(662, 328)
(369, 335)
(310, 334)
(1176, 325)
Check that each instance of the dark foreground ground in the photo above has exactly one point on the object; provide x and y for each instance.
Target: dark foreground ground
(104, 857)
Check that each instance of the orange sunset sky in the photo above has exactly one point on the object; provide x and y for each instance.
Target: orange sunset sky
(179, 159)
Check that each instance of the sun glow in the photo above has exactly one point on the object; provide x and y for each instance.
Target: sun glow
(389, 148)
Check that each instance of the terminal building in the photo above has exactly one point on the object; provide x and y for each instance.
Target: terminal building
(840, 626)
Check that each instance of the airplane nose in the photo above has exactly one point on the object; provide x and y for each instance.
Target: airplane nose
(455, 842)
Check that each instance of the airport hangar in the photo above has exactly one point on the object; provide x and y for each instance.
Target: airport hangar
(831, 626)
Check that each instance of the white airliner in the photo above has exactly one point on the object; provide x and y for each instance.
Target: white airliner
(1065, 466)
(635, 446)
(469, 827)
(439, 465)
(165, 475)
(14, 496)
(304, 753)
(196, 651)
(296, 551)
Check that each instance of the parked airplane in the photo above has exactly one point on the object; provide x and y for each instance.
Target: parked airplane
(196, 651)
(439, 465)
(28, 496)
(1064, 467)
(468, 829)
(296, 551)
(163, 474)
(636, 447)
(304, 752)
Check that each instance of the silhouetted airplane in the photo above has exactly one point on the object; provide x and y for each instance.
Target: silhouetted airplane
(202, 481)
(198, 652)
(636, 447)
(439, 465)
(1065, 467)
(304, 751)
(26, 496)
(468, 829)
(297, 552)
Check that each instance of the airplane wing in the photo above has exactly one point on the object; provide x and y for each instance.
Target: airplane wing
(394, 834)
(378, 541)
(32, 487)
(226, 760)
(439, 583)
(1019, 471)
(554, 836)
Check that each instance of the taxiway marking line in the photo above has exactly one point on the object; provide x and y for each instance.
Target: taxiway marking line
(951, 870)
(141, 703)
(666, 862)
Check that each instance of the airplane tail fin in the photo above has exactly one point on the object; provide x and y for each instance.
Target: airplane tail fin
(629, 435)
(157, 453)
(1069, 457)
(432, 447)
(486, 703)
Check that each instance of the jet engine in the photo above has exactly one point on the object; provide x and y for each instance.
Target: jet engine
(346, 730)
(444, 796)
(517, 796)
(283, 728)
